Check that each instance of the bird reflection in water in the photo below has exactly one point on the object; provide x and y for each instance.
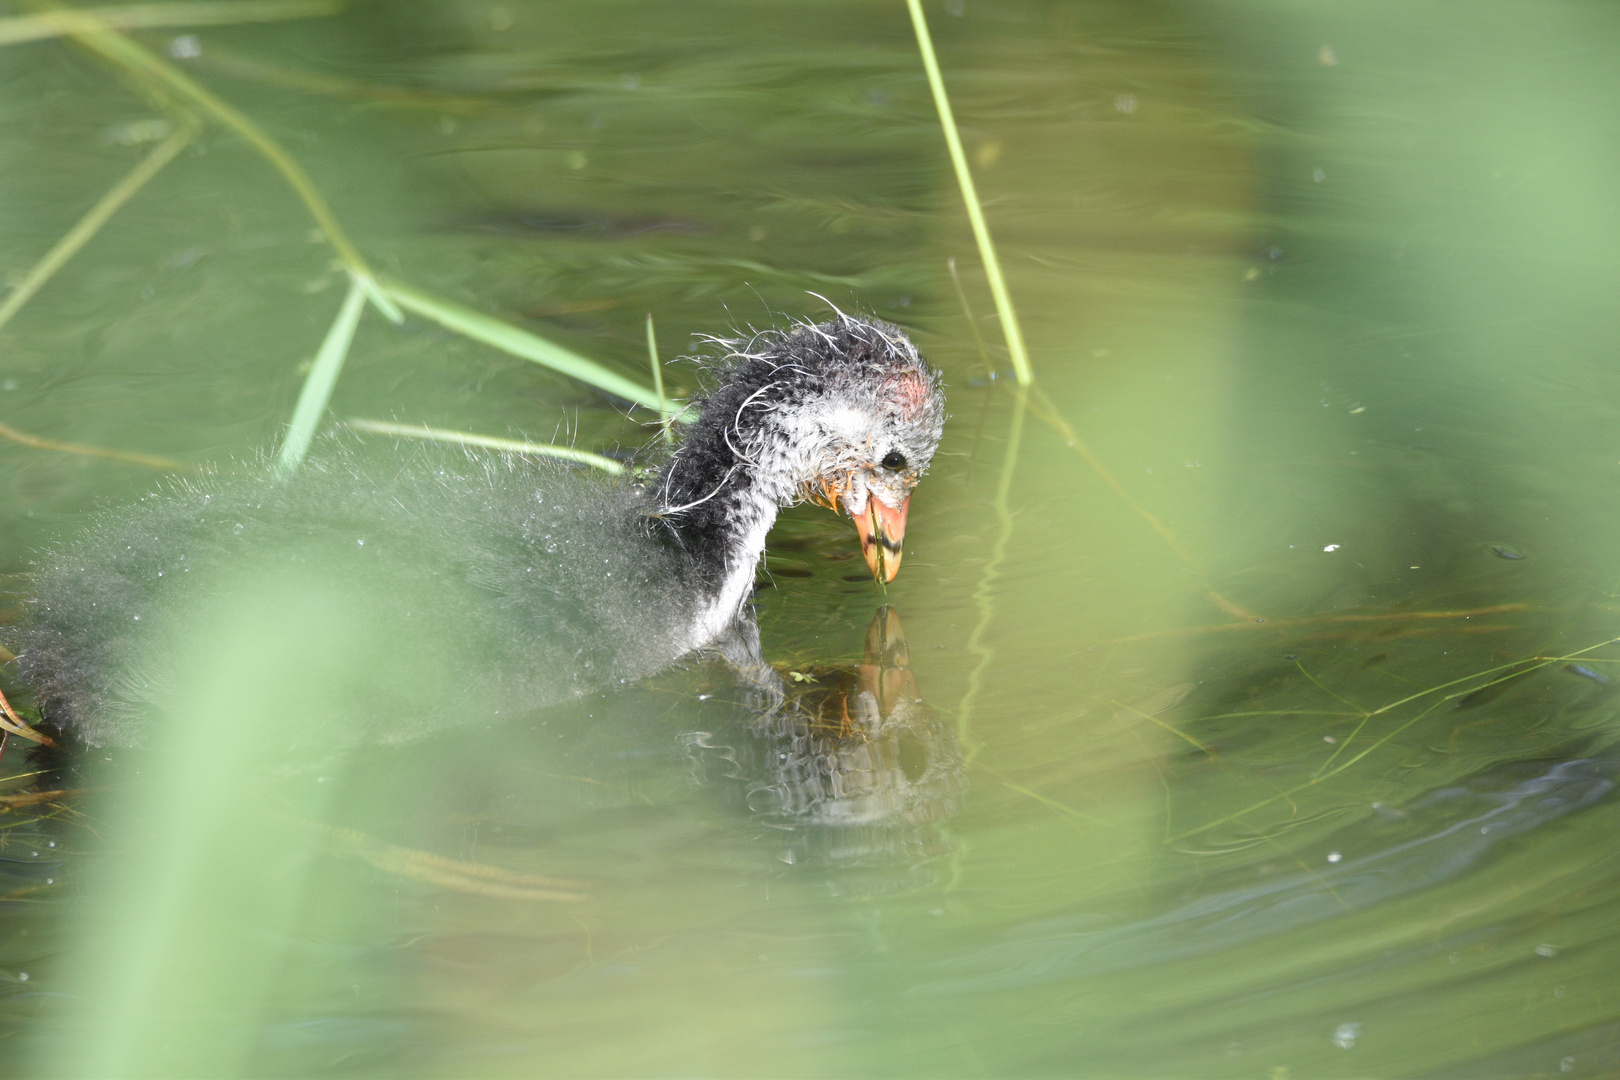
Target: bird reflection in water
(851, 760)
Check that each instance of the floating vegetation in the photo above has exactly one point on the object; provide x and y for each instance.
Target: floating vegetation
(1351, 749)
(98, 31)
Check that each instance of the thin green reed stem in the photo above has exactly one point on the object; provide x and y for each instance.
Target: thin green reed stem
(984, 592)
(61, 23)
(1341, 699)
(973, 323)
(132, 57)
(318, 384)
(989, 369)
(664, 413)
(981, 231)
(1297, 788)
(98, 215)
(491, 442)
(160, 79)
(521, 343)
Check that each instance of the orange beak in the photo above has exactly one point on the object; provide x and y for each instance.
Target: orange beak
(881, 530)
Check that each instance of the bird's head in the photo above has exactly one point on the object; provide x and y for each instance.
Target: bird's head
(876, 438)
(844, 413)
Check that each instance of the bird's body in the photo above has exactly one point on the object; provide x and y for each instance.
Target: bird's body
(484, 586)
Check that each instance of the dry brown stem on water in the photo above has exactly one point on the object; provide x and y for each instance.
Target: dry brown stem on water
(156, 462)
(468, 877)
(16, 725)
(38, 798)
(1392, 617)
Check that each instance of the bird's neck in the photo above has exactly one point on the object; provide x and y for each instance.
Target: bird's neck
(714, 506)
(717, 498)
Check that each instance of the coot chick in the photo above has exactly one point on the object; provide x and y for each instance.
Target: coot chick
(481, 587)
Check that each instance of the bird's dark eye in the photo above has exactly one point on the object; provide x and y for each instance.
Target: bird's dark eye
(894, 461)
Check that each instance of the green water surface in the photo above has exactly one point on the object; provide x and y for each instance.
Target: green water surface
(1247, 637)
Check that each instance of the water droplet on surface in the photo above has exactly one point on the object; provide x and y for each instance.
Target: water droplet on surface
(1345, 1035)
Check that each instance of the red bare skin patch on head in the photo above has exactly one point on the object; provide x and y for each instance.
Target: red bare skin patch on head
(908, 391)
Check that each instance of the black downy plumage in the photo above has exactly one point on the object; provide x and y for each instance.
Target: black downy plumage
(479, 586)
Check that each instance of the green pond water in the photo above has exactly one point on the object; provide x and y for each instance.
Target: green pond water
(1263, 722)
